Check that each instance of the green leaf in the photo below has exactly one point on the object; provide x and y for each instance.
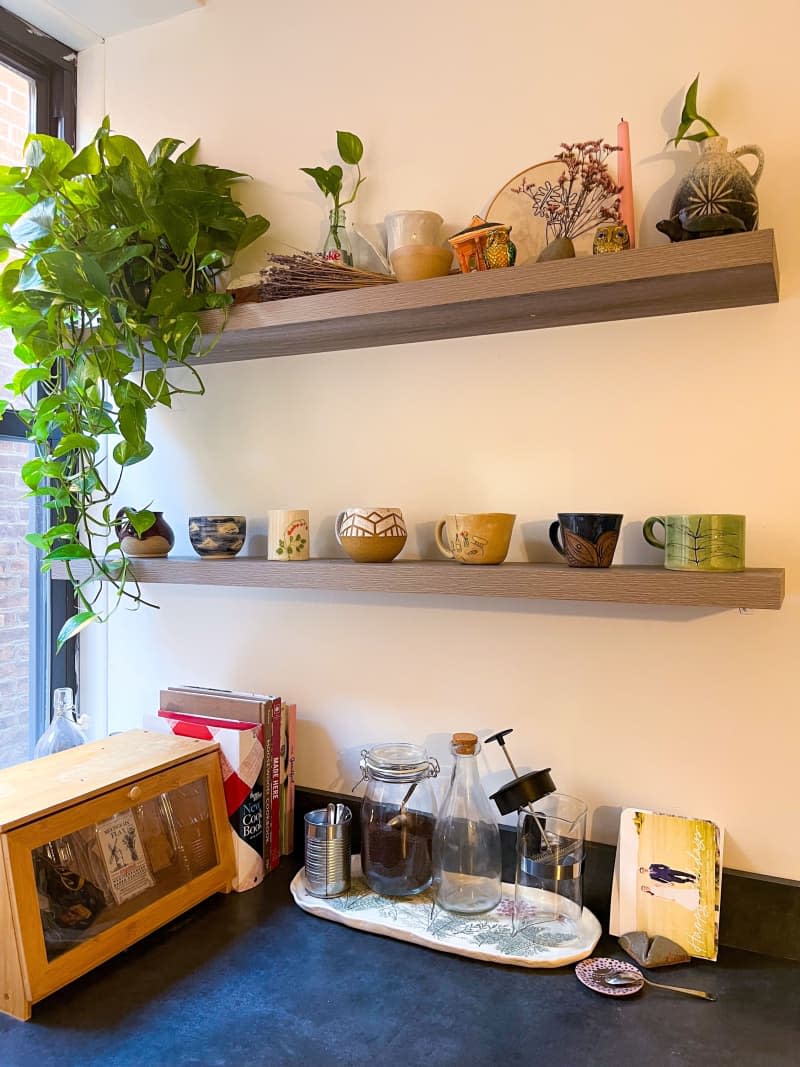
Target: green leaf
(168, 295)
(689, 113)
(36, 223)
(64, 529)
(132, 420)
(335, 175)
(74, 625)
(141, 521)
(350, 147)
(65, 552)
(119, 148)
(87, 161)
(255, 226)
(47, 154)
(125, 455)
(24, 379)
(188, 154)
(38, 541)
(73, 442)
(320, 176)
(163, 150)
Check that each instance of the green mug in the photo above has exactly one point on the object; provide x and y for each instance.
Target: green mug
(699, 542)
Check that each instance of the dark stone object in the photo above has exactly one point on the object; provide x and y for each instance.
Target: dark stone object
(686, 227)
(652, 952)
(561, 248)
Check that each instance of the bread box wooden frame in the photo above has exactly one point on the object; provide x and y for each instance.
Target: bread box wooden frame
(49, 798)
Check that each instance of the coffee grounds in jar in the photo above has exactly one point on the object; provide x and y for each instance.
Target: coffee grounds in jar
(396, 857)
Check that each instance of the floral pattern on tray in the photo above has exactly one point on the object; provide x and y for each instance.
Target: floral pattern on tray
(420, 920)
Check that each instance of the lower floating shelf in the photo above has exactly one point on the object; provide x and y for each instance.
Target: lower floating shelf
(754, 588)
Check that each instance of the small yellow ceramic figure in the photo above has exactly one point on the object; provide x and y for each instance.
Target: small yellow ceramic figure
(500, 250)
(612, 237)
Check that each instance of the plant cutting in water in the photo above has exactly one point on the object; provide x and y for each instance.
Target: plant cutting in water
(689, 116)
(110, 256)
(330, 181)
(584, 195)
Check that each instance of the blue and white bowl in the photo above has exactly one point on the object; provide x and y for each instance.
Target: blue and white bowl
(217, 536)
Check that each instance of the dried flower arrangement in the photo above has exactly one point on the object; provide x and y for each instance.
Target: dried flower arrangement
(302, 274)
(584, 195)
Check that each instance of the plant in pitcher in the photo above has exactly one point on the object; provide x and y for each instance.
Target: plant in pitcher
(330, 182)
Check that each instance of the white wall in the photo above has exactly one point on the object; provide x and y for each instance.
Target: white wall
(684, 710)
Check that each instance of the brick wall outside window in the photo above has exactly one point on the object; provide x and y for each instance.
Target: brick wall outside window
(15, 106)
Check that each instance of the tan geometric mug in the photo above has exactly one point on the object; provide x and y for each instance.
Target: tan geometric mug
(371, 535)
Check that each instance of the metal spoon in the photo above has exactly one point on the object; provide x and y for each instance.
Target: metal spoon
(630, 978)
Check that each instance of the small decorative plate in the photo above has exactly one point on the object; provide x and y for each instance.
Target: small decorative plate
(586, 970)
(515, 209)
(420, 920)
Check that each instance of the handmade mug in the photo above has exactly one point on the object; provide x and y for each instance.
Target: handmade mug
(589, 539)
(371, 535)
(699, 542)
(479, 538)
(287, 534)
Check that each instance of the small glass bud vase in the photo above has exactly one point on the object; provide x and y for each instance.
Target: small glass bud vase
(337, 244)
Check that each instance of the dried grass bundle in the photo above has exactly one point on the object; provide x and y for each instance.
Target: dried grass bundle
(303, 274)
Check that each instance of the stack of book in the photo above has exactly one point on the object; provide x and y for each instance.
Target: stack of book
(186, 708)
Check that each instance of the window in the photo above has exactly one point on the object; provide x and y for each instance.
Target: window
(37, 93)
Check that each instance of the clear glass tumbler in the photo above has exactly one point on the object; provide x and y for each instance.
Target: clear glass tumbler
(550, 854)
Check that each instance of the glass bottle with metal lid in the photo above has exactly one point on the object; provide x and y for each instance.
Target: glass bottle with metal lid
(397, 820)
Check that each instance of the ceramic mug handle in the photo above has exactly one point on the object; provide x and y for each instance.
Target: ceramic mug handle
(338, 523)
(555, 526)
(438, 534)
(649, 536)
(751, 150)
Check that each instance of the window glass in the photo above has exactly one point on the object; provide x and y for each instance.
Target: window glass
(17, 585)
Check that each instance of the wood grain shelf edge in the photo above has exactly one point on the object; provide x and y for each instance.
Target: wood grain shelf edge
(624, 584)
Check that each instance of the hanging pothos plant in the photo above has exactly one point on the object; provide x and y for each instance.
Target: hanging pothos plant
(110, 256)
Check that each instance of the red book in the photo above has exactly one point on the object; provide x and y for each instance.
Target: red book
(275, 786)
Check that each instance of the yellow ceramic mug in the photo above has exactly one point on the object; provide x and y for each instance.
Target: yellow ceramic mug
(482, 538)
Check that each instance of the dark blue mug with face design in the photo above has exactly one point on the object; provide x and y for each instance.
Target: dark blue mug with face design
(588, 539)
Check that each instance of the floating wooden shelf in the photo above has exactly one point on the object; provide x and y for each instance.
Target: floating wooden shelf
(756, 588)
(719, 272)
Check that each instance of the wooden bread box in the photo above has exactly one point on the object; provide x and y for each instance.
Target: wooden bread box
(99, 846)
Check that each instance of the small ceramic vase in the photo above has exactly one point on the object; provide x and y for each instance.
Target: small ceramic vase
(154, 543)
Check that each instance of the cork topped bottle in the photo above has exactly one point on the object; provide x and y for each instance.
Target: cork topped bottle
(466, 842)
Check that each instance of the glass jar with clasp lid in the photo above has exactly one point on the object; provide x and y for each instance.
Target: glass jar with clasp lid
(397, 820)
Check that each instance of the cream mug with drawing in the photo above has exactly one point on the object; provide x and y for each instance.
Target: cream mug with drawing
(287, 534)
(481, 538)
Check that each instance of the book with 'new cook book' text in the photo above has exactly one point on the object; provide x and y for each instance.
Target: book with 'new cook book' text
(251, 707)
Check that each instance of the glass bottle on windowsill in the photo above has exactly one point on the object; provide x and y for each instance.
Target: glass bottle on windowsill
(337, 244)
(63, 731)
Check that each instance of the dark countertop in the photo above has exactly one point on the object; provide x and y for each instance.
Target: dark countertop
(251, 980)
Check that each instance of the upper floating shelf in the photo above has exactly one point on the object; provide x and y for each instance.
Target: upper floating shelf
(717, 272)
(754, 588)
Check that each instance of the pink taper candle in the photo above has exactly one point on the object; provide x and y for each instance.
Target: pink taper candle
(625, 179)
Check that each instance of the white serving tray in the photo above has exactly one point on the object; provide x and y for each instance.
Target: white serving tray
(420, 921)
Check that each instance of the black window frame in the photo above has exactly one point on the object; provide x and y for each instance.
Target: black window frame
(52, 66)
